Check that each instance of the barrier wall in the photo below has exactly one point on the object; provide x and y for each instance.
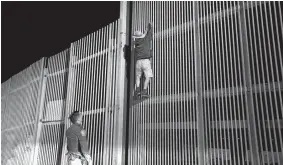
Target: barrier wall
(216, 95)
(20, 99)
(51, 128)
(91, 90)
(215, 98)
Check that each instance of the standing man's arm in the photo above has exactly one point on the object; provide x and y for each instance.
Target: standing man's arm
(149, 36)
(84, 144)
(149, 31)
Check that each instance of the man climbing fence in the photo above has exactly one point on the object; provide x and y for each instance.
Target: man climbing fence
(143, 54)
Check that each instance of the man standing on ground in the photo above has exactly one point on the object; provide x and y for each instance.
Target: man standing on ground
(77, 145)
(143, 54)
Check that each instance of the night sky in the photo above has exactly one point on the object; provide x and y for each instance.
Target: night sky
(31, 30)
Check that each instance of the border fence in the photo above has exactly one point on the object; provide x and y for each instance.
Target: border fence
(215, 98)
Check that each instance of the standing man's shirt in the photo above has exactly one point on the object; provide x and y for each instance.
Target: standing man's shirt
(143, 45)
(76, 140)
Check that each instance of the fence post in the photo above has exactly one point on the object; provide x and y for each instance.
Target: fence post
(39, 116)
(68, 102)
(119, 153)
(198, 79)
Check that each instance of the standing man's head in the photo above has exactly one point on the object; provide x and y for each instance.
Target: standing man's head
(76, 117)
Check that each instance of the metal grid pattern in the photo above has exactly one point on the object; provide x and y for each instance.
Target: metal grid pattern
(91, 90)
(19, 123)
(216, 95)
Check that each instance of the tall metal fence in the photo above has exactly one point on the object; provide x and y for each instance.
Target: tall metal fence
(216, 94)
(51, 127)
(20, 99)
(92, 89)
(215, 98)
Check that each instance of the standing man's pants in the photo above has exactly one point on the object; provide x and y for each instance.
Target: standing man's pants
(75, 162)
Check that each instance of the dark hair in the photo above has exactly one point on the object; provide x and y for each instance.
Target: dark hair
(74, 116)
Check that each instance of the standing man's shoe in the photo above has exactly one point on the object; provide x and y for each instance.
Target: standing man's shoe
(144, 93)
(137, 93)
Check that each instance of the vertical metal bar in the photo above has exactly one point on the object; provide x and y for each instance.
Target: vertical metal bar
(198, 77)
(106, 97)
(112, 86)
(68, 102)
(100, 115)
(247, 81)
(205, 49)
(201, 57)
(132, 85)
(231, 98)
(78, 78)
(96, 114)
(253, 69)
(179, 128)
(113, 47)
(191, 131)
(183, 147)
(278, 74)
(208, 62)
(174, 110)
(168, 89)
(161, 118)
(88, 118)
(219, 78)
(263, 103)
(235, 98)
(138, 27)
(213, 100)
(242, 103)
(156, 60)
(267, 46)
(85, 84)
(114, 77)
(273, 80)
(107, 114)
(150, 144)
(156, 68)
(107, 94)
(149, 112)
(40, 108)
(93, 115)
(120, 95)
(106, 120)
(170, 117)
(224, 100)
